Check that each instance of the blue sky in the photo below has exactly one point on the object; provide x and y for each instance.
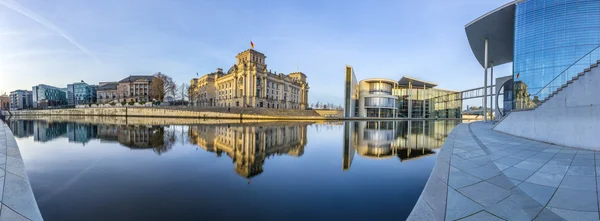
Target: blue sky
(58, 42)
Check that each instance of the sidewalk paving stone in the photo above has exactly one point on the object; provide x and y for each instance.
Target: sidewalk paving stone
(495, 176)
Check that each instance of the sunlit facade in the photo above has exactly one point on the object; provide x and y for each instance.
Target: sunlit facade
(248, 83)
(405, 98)
(375, 98)
(250, 145)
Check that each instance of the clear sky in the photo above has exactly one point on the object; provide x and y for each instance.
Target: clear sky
(58, 42)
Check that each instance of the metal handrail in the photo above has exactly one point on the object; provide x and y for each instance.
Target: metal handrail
(566, 69)
(537, 94)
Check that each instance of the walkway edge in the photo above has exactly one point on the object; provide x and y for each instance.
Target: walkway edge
(432, 201)
(18, 201)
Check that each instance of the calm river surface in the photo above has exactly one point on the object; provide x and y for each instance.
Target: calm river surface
(87, 170)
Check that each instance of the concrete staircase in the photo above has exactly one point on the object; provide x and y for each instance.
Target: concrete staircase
(569, 82)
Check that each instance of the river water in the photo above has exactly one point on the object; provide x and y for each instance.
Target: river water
(87, 170)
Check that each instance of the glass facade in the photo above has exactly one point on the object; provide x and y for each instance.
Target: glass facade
(380, 102)
(380, 88)
(44, 96)
(552, 36)
(81, 93)
(428, 103)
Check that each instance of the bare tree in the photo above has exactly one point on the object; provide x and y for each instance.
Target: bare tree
(162, 85)
(183, 89)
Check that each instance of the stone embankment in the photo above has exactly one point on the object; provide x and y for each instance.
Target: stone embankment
(186, 112)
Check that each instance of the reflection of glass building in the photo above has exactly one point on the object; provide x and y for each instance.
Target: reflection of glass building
(46, 131)
(22, 128)
(406, 98)
(388, 139)
(156, 138)
(81, 133)
(250, 145)
(542, 38)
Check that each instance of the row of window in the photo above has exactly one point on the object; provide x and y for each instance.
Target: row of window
(550, 36)
(381, 102)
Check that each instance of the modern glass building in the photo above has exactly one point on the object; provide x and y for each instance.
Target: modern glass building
(375, 98)
(81, 93)
(548, 41)
(405, 98)
(45, 96)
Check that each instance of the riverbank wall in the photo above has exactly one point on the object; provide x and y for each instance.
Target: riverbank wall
(184, 112)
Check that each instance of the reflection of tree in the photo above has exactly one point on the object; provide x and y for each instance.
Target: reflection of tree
(162, 140)
(146, 137)
(250, 145)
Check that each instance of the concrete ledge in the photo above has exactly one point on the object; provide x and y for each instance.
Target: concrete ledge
(18, 201)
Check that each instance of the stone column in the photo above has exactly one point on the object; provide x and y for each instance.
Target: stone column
(235, 81)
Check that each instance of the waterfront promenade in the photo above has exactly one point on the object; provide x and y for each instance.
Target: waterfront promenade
(17, 200)
(481, 174)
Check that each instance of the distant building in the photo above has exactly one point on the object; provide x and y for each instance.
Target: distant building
(204, 90)
(406, 98)
(248, 83)
(135, 88)
(21, 100)
(4, 102)
(44, 96)
(81, 93)
(107, 92)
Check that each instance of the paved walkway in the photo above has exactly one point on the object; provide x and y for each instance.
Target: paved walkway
(481, 174)
(17, 200)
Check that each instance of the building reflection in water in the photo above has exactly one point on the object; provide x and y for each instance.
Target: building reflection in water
(248, 145)
(157, 138)
(388, 139)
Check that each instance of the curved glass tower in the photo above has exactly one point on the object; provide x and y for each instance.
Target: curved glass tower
(550, 36)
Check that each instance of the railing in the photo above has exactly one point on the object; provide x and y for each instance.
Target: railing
(561, 79)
